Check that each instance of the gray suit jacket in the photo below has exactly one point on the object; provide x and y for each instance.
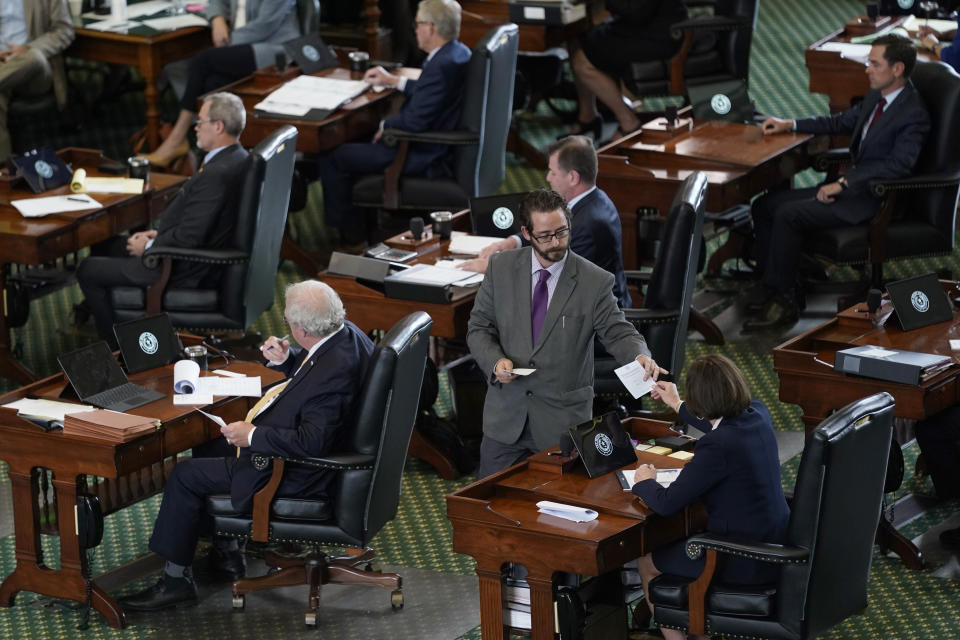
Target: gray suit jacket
(50, 31)
(560, 393)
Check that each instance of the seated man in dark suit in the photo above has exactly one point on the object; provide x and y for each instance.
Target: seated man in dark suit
(939, 440)
(299, 418)
(433, 104)
(202, 214)
(595, 232)
(887, 129)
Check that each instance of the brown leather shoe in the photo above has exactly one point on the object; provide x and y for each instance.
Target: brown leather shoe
(777, 314)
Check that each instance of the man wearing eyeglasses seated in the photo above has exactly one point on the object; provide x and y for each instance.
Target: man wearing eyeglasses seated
(540, 307)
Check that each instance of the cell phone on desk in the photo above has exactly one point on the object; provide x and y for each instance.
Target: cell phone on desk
(383, 252)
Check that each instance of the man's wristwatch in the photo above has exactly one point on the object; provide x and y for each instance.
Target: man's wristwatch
(842, 181)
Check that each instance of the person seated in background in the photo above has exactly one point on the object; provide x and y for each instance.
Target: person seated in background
(432, 104)
(637, 31)
(202, 214)
(33, 35)
(735, 473)
(595, 231)
(302, 417)
(888, 130)
(243, 41)
(935, 41)
(939, 439)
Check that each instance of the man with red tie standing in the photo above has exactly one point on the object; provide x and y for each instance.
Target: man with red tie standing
(887, 130)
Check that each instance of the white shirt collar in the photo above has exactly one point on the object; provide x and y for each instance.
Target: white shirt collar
(314, 348)
(580, 197)
(207, 158)
(890, 97)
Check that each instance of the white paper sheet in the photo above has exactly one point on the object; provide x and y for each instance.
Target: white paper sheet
(631, 375)
(217, 419)
(431, 274)
(138, 9)
(566, 511)
(877, 352)
(39, 207)
(50, 409)
(172, 23)
(303, 93)
(855, 52)
(111, 25)
(228, 374)
(192, 398)
(913, 23)
(468, 245)
(218, 386)
(521, 372)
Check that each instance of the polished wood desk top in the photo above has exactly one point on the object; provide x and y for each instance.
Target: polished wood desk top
(496, 520)
(146, 49)
(644, 170)
(35, 241)
(843, 79)
(479, 16)
(131, 471)
(819, 389)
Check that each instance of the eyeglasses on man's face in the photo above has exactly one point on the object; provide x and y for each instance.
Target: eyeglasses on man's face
(199, 122)
(544, 238)
(417, 23)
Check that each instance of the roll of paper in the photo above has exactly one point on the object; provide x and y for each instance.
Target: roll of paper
(186, 376)
(78, 181)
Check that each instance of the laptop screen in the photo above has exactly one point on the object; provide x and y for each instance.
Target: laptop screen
(148, 342)
(92, 369)
(919, 301)
(496, 216)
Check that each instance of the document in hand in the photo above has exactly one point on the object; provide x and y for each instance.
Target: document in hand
(631, 375)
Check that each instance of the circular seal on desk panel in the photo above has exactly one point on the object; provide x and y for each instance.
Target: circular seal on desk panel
(43, 169)
(502, 218)
(920, 301)
(720, 104)
(603, 444)
(905, 4)
(310, 52)
(148, 343)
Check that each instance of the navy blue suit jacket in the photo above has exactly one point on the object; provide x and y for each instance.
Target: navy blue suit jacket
(889, 150)
(597, 236)
(306, 418)
(433, 103)
(735, 471)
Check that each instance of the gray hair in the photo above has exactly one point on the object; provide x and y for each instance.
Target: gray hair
(314, 307)
(445, 16)
(228, 109)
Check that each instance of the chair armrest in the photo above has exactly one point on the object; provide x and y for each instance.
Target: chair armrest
(637, 276)
(153, 255)
(762, 551)
(831, 158)
(651, 316)
(915, 183)
(340, 461)
(392, 136)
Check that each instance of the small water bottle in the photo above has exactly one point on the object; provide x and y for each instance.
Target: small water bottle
(118, 10)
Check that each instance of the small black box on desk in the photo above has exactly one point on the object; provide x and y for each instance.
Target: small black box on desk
(677, 443)
(906, 367)
(548, 13)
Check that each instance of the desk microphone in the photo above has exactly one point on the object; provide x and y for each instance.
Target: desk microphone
(416, 227)
(280, 61)
(566, 445)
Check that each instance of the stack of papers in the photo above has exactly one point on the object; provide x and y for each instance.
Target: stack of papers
(440, 276)
(190, 388)
(109, 425)
(468, 245)
(304, 93)
(855, 52)
(566, 511)
(39, 207)
(46, 409)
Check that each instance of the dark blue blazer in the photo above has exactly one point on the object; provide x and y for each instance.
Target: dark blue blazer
(889, 150)
(597, 236)
(306, 418)
(735, 472)
(433, 104)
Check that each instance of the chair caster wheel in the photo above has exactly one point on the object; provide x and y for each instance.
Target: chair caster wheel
(310, 618)
(396, 600)
(239, 602)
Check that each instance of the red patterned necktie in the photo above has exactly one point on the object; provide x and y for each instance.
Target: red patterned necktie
(877, 113)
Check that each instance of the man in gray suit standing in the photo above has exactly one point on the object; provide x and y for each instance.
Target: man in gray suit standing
(540, 307)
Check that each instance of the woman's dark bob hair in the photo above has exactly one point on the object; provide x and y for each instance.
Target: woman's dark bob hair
(716, 388)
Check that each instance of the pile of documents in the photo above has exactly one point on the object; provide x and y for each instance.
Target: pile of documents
(191, 388)
(306, 93)
(108, 425)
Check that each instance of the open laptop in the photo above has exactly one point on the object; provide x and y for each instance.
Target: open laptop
(42, 169)
(99, 380)
(147, 342)
(604, 445)
(919, 301)
(496, 216)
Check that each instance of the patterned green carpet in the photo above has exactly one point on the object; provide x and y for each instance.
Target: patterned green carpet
(902, 604)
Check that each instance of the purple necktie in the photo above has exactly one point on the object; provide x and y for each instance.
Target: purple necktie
(538, 308)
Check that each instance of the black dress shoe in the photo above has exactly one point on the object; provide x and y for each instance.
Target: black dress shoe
(950, 538)
(167, 593)
(776, 314)
(222, 565)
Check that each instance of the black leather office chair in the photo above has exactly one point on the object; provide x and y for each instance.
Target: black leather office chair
(715, 48)
(250, 268)
(918, 215)
(825, 561)
(479, 142)
(665, 314)
(363, 497)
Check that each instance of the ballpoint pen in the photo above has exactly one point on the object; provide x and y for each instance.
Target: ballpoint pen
(280, 340)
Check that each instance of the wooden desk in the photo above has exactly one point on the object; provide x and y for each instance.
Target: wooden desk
(36, 241)
(479, 16)
(819, 390)
(495, 520)
(842, 79)
(738, 160)
(127, 472)
(146, 49)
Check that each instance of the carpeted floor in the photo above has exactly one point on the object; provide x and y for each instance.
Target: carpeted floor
(441, 591)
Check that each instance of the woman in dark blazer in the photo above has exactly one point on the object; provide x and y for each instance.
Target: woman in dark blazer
(735, 472)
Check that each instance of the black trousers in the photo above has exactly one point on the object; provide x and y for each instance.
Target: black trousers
(939, 440)
(496, 456)
(96, 275)
(213, 68)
